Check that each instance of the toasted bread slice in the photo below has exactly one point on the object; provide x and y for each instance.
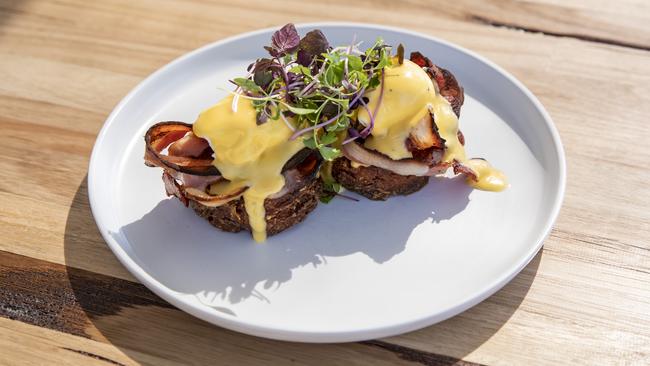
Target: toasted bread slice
(373, 182)
(281, 213)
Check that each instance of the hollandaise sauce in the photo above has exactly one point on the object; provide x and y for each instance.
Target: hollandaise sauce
(409, 96)
(247, 154)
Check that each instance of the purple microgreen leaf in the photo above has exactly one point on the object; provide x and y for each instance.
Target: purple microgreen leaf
(271, 51)
(304, 58)
(311, 45)
(285, 40)
(265, 64)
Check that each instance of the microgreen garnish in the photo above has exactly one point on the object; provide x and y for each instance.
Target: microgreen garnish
(315, 88)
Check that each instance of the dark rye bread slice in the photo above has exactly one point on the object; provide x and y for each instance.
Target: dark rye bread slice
(375, 183)
(281, 213)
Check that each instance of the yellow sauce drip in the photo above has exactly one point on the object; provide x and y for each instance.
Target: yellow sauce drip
(247, 154)
(409, 95)
(489, 178)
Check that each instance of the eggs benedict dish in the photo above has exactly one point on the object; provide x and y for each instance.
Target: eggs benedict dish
(414, 118)
(307, 120)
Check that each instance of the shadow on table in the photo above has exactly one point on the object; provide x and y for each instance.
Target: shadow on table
(144, 326)
(9, 9)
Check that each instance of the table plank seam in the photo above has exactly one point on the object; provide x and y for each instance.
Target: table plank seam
(93, 355)
(582, 37)
(421, 357)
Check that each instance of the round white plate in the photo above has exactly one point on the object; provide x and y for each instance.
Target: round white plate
(351, 270)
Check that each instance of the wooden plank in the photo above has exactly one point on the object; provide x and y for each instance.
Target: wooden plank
(144, 327)
(24, 344)
(622, 23)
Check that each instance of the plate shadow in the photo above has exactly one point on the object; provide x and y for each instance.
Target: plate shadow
(339, 229)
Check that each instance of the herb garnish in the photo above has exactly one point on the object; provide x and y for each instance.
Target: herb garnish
(314, 87)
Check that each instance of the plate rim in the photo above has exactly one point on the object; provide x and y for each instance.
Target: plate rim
(234, 323)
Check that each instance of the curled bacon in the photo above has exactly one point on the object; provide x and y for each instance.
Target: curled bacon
(188, 169)
(162, 135)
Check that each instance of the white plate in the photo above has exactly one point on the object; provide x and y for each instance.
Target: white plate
(351, 271)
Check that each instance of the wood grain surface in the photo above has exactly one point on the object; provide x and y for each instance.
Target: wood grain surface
(64, 298)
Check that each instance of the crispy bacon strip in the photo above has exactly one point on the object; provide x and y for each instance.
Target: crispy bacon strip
(425, 135)
(187, 171)
(163, 134)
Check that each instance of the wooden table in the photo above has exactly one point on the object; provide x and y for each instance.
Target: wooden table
(64, 298)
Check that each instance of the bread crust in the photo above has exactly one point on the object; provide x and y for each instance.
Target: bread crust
(373, 182)
(281, 213)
